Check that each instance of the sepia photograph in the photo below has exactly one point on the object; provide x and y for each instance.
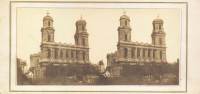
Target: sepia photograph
(100, 44)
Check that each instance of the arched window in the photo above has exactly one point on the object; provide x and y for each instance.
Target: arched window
(83, 27)
(125, 52)
(49, 23)
(79, 27)
(126, 23)
(159, 27)
(126, 37)
(49, 37)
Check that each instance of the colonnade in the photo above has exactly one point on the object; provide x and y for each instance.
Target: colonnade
(142, 53)
(65, 55)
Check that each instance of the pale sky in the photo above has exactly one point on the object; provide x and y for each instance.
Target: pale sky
(101, 25)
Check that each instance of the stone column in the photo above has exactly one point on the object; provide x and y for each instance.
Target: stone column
(136, 53)
(157, 55)
(78, 56)
(154, 54)
(151, 54)
(129, 53)
(87, 56)
(44, 53)
(164, 55)
(146, 54)
(69, 55)
(52, 53)
(74, 54)
(141, 54)
(121, 55)
(132, 52)
(63, 54)
(160, 55)
(66, 54)
(58, 54)
(81, 56)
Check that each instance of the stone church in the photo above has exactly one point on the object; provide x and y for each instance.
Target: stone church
(55, 58)
(132, 53)
(59, 54)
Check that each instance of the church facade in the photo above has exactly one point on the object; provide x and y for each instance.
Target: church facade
(59, 54)
(130, 52)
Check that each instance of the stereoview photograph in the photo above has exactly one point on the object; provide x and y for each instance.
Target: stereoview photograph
(94, 46)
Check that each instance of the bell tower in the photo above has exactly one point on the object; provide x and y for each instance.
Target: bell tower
(81, 35)
(158, 39)
(124, 30)
(158, 34)
(47, 29)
